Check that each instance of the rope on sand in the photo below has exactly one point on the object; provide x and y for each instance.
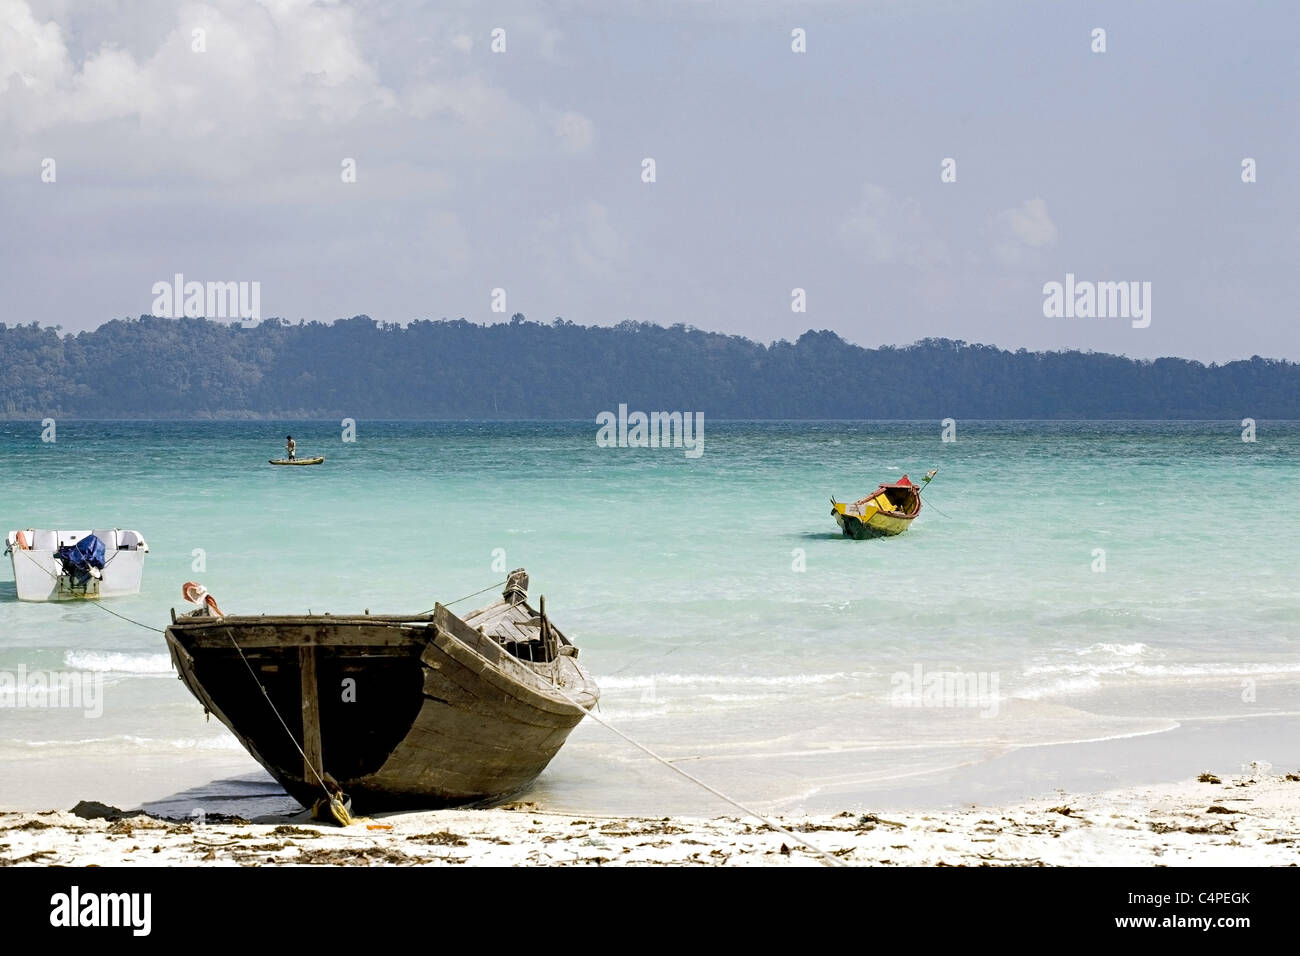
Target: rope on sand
(825, 857)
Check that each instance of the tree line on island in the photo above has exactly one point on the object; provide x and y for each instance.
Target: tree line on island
(195, 368)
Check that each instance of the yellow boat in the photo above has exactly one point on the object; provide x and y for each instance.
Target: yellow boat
(887, 511)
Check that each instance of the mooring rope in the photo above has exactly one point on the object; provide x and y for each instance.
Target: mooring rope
(55, 577)
(937, 508)
(147, 627)
(25, 551)
(826, 858)
(229, 634)
(292, 739)
(468, 596)
(252, 673)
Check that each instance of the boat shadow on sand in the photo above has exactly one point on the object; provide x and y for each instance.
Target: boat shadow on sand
(256, 797)
(250, 798)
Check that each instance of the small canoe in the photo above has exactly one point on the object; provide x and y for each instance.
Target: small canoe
(887, 511)
(296, 461)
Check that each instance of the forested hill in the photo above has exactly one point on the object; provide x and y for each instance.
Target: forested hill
(194, 368)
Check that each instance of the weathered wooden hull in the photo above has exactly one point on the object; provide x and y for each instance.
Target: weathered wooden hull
(423, 711)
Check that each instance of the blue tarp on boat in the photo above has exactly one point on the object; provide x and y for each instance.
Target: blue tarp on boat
(79, 558)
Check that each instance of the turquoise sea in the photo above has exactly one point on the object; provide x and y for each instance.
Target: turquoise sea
(1070, 582)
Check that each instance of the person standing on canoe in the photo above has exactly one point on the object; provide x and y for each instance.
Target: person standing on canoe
(291, 446)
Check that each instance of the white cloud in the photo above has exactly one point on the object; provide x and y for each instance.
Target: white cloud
(284, 88)
(886, 230)
(574, 131)
(1017, 233)
(1031, 224)
(272, 61)
(33, 55)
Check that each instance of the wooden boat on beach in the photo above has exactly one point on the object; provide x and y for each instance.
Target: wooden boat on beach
(887, 511)
(426, 710)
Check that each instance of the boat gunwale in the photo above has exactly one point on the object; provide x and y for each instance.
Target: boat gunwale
(528, 676)
(906, 515)
(204, 621)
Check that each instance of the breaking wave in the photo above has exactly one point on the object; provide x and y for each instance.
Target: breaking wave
(116, 662)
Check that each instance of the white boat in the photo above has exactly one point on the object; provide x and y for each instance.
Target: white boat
(68, 566)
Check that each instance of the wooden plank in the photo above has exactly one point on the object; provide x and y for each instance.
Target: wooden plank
(528, 684)
(282, 620)
(508, 623)
(181, 658)
(493, 614)
(504, 619)
(445, 756)
(512, 686)
(311, 742)
(514, 678)
(469, 693)
(317, 633)
(445, 620)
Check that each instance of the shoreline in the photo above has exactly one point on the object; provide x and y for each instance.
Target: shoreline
(1250, 819)
(589, 778)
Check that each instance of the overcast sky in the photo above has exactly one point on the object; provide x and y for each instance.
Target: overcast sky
(775, 169)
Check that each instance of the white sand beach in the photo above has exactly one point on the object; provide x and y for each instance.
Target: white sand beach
(1228, 820)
